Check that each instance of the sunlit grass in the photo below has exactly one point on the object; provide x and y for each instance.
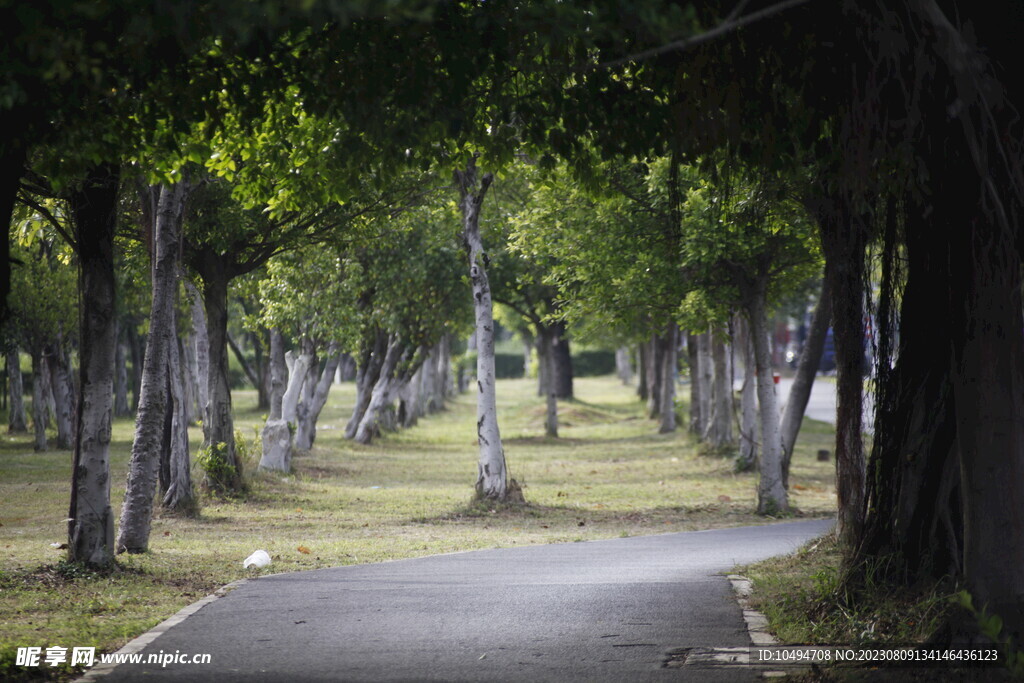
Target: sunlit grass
(408, 494)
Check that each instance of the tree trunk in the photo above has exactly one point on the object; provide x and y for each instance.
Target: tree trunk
(771, 494)
(719, 434)
(136, 349)
(705, 379)
(305, 434)
(177, 484)
(12, 167)
(693, 361)
(562, 362)
(62, 391)
(224, 469)
(121, 408)
(16, 422)
(800, 392)
(150, 427)
(202, 347)
(277, 434)
(379, 396)
(669, 365)
(551, 412)
(623, 366)
(747, 458)
(39, 408)
(296, 379)
(655, 361)
(492, 477)
(94, 209)
(366, 378)
(843, 239)
(642, 391)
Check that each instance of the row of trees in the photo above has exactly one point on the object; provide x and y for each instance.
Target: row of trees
(855, 123)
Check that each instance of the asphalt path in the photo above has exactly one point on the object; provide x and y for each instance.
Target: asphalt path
(595, 611)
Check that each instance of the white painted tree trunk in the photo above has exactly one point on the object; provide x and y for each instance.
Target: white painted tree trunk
(296, 378)
(16, 421)
(179, 494)
(492, 475)
(305, 433)
(381, 394)
(623, 365)
(771, 493)
(94, 209)
(144, 465)
(202, 348)
(749, 438)
(277, 434)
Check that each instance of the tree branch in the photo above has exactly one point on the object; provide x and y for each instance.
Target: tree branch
(725, 27)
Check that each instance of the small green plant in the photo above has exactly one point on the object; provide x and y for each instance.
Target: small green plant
(991, 626)
(213, 460)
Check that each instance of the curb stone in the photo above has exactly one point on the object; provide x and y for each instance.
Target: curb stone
(138, 644)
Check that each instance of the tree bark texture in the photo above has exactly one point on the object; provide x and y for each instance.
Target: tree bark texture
(90, 518)
(641, 386)
(655, 362)
(806, 371)
(562, 356)
(366, 378)
(150, 428)
(551, 400)
(16, 421)
(771, 494)
(669, 367)
(62, 390)
(749, 426)
(202, 347)
(40, 412)
(696, 423)
(719, 433)
(224, 472)
(381, 391)
(843, 238)
(705, 381)
(277, 435)
(492, 476)
(305, 433)
(176, 485)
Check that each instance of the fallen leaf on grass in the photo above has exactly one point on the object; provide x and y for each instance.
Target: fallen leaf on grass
(724, 499)
(304, 550)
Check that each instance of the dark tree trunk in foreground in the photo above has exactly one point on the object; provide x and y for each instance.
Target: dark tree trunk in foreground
(843, 238)
(152, 421)
(90, 518)
(803, 382)
(12, 168)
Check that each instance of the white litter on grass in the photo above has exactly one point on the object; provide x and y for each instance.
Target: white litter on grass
(258, 559)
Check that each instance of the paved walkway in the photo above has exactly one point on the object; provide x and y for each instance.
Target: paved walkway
(595, 611)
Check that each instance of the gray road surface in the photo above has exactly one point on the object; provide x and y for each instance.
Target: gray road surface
(596, 611)
(822, 404)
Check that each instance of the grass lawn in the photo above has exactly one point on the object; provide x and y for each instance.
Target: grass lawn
(406, 495)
